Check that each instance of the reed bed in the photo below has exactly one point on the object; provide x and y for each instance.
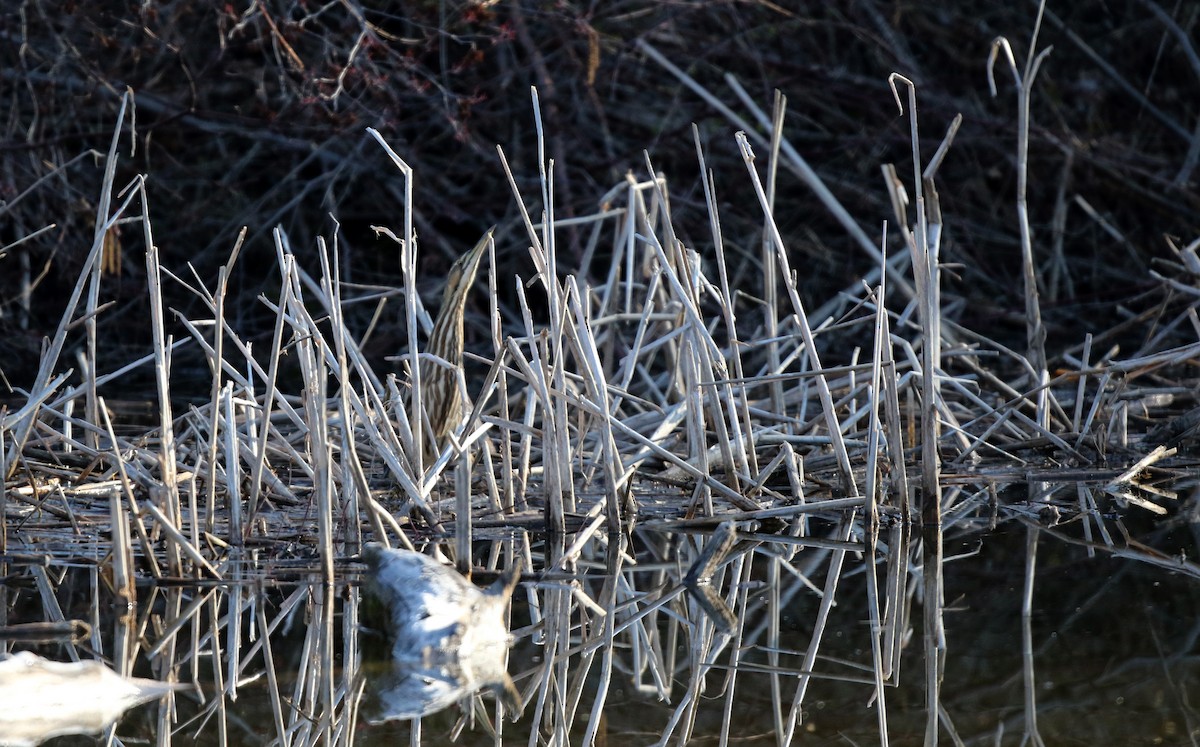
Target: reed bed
(678, 457)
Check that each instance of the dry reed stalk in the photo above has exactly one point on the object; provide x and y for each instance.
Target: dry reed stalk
(408, 265)
(343, 349)
(669, 398)
(126, 492)
(874, 497)
(828, 411)
(232, 463)
(1035, 333)
(924, 246)
(770, 293)
(795, 162)
(745, 458)
(596, 388)
(167, 496)
(50, 355)
(558, 466)
(215, 366)
(895, 614)
(122, 558)
(463, 515)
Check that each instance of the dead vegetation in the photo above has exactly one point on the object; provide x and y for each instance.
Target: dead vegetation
(652, 364)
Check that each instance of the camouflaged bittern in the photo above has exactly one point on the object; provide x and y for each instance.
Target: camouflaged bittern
(440, 395)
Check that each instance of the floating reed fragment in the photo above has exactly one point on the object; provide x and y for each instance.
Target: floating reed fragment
(43, 699)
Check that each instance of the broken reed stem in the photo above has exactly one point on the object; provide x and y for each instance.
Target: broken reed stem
(215, 368)
(771, 305)
(747, 457)
(122, 547)
(408, 269)
(831, 420)
(925, 271)
(463, 524)
(167, 494)
(50, 356)
(596, 389)
(233, 463)
(897, 567)
(1035, 331)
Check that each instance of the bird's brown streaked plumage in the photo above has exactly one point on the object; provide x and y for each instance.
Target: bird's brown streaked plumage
(440, 395)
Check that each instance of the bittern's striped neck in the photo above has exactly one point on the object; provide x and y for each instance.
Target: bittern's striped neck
(446, 339)
(440, 395)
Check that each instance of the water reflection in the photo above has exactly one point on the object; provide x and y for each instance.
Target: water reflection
(666, 635)
(449, 638)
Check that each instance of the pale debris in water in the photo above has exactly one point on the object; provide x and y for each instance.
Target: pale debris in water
(40, 698)
(449, 637)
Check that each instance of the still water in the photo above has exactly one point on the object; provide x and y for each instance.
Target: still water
(613, 645)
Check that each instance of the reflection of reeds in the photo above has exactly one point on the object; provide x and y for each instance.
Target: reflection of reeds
(630, 405)
(443, 627)
(699, 578)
